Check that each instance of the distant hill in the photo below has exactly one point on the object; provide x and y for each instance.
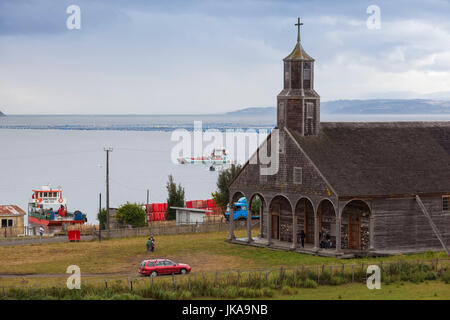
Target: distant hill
(369, 106)
(259, 111)
(2, 114)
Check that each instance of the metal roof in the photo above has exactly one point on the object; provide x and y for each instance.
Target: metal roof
(11, 210)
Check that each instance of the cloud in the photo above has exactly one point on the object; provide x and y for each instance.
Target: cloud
(211, 56)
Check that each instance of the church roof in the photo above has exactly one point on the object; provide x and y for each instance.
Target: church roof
(370, 159)
(298, 54)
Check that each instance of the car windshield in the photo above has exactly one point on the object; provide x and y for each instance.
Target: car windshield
(143, 264)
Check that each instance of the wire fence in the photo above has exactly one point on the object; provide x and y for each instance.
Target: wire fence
(157, 229)
(401, 270)
(18, 235)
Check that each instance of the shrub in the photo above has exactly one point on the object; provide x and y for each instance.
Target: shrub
(445, 276)
(267, 292)
(131, 214)
(288, 290)
(308, 283)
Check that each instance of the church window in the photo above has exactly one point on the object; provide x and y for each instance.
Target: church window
(309, 110)
(446, 203)
(297, 175)
(307, 71)
(281, 110)
(263, 177)
(282, 146)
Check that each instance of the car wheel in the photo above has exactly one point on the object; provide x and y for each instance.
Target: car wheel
(153, 274)
(183, 271)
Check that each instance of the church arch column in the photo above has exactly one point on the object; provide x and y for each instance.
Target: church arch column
(294, 230)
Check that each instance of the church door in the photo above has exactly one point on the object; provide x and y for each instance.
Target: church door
(276, 222)
(309, 227)
(354, 232)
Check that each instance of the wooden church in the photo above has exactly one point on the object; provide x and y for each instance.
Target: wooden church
(346, 188)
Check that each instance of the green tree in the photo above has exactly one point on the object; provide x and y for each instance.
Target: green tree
(222, 195)
(132, 214)
(256, 205)
(101, 217)
(175, 198)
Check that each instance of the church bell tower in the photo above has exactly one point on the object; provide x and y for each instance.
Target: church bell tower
(298, 105)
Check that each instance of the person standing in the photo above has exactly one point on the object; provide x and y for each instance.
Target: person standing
(302, 237)
(41, 231)
(152, 244)
(148, 243)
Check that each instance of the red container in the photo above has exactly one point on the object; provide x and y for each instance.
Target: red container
(210, 203)
(188, 204)
(74, 235)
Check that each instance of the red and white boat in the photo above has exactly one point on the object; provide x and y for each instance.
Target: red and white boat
(48, 208)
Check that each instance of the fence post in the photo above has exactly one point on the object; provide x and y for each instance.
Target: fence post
(239, 278)
(318, 274)
(215, 280)
(174, 281)
(353, 273)
(295, 277)
(106, 284)
(189, 281)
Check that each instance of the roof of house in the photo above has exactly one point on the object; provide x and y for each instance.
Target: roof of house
(11, 210)
(369, 159)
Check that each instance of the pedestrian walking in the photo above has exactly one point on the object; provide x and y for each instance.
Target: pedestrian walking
(152, 243)
(148, 244)
(302, 238)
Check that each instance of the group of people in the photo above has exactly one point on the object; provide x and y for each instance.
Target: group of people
(325, 239)
(150, 244)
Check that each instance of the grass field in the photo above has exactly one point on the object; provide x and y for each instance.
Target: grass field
(204, 252)
(435, 290)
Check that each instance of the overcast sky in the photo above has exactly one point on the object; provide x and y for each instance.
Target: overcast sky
(197, 56)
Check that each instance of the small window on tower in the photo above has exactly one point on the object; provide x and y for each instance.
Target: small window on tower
(281, 110)
(286, 71)
(307, 71)
(446, 203)
(309, 110)
(281, 144)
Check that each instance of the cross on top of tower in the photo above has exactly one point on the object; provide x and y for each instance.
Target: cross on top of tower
(298, 24)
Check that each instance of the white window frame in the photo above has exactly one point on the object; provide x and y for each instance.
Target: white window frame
(295, 170)
(448, 203)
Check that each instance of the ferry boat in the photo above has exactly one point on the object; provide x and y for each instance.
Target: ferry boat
(218, 156)
(48, 208)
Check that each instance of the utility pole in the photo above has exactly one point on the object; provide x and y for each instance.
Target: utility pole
(107, 150)
(146, 207)
(99, 215)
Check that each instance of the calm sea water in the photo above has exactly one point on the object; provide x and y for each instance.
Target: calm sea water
(67, 151)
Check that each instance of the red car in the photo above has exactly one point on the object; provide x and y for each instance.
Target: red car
(156, 267)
